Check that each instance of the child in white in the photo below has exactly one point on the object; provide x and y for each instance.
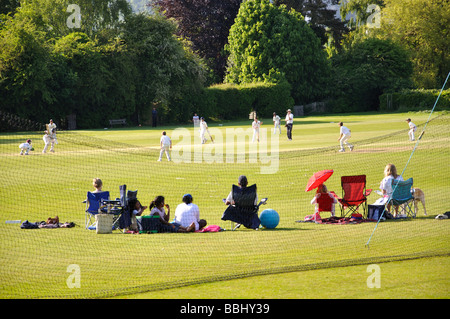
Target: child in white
(166, 144)
(412, 129)
(203, 128)
(25, 147)
(322, 190)
(276, 123)
(48, 139)
(256, 125)
(343, 137)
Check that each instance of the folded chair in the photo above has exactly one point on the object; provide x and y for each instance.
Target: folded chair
(402, 195)
(94, 202)
(122, 210)
(244, 211)
(354, 195)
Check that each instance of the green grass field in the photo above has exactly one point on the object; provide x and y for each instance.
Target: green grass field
(295, 260)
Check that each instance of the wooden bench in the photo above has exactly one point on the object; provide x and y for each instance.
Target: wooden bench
(117, 122)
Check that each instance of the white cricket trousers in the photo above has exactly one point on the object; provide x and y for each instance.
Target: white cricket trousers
(275, 128)
(344, 140)
(411, 134)
(164, 149)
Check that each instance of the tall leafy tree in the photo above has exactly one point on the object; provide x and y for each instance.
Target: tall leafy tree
(166, 67)
(116, 71)
(365, 70)
(206, 23)
(95, 16)
(270, 43)
(359, 11)
(24, 68)
(423, 28)
(321, 18)
(8, 6)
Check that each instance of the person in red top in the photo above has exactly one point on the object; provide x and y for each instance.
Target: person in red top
(323, 200)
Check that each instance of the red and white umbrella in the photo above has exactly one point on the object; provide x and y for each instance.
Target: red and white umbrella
(318, 178)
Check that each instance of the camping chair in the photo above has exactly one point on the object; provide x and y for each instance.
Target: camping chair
(121, 209)
(354, 195)
(94, 202)
(402, 195)
(244, 211)
(325, 203)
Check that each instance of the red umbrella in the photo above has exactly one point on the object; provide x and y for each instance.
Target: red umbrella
(318, 178)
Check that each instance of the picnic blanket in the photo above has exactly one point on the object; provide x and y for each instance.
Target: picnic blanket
(43, 224)
(343, 220)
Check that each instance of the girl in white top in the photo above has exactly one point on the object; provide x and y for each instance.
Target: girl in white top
(157, 208)
(390, 174)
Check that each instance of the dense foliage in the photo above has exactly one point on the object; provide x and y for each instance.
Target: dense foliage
(99, 59)
(364, 71)
(119, 69)
(269, 43)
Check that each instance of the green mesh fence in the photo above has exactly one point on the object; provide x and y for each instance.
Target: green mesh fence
(79, 263)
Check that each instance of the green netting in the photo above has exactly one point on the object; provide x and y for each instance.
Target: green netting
(38, 263)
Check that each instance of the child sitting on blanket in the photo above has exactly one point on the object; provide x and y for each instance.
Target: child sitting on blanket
(323, 201)
(136, 210)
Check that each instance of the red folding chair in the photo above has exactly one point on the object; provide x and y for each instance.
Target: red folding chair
(354, 195)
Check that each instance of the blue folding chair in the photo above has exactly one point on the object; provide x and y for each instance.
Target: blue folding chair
(94, 206)
(402, 195)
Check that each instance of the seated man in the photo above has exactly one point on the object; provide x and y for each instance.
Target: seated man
(187, 215)
(242, 205)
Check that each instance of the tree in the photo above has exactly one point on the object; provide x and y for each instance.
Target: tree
(321, 19)
(96, 16)
(8, 6)
(24, 69)
(116, 72)
(166, 67)
(422, 27)
(206, 23)
(362, 72)
(269, 43)
(360, 11)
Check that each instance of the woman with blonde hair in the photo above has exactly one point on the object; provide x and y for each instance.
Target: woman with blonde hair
(98, 184)
(390, 174)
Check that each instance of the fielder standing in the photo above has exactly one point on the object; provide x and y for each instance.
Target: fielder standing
(203, 128)
(276, 123)
(412, 130)
(256, 125)
(166, 144)
(343, 137)
(289, 123)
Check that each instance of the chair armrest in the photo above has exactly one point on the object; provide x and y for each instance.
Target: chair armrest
(368, 192)
(335, 195)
